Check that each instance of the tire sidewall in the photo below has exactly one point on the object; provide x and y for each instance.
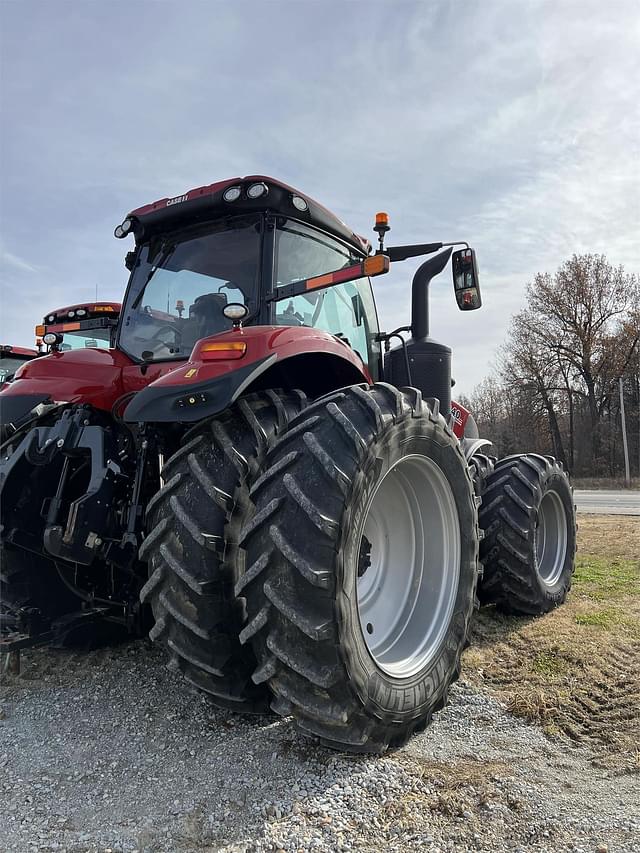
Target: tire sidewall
(410, 697)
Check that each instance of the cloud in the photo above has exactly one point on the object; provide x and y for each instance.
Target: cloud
(517, 132)
(16, 263)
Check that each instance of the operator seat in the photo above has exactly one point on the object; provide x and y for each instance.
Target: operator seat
(206, 317)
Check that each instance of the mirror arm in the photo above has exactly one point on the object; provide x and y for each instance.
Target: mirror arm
(402, 253)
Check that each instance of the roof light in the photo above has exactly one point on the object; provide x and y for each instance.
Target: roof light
(382, 218)
(299, 203)
(231, 194)
(122, 230)
(257, 190)
(71, 313)
(51, 318)
(103, 308)
(81, 312)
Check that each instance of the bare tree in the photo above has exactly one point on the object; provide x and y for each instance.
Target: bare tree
(576, 314)
(528, 361)
(561, 366)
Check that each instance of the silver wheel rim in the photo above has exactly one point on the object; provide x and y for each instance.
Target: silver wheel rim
(551, 538)
(408, 566)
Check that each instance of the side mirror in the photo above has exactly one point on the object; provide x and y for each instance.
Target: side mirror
(466, 282)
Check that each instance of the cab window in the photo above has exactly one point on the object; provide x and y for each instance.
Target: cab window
(345, 310)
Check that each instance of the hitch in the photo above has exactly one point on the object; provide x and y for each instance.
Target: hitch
(31, 630)
(80, 530)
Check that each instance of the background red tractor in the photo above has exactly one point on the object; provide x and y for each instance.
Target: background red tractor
(87, 324)
(11, 358)
(296, 500)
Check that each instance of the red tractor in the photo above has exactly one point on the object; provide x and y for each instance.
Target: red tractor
(296, 500)
(88, 324)
(11, 358)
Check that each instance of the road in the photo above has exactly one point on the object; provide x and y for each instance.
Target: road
(608, 502)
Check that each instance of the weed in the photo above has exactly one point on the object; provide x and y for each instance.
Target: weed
(601, 579)
(548, 663)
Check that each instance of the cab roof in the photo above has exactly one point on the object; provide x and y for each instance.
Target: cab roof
(21, 352)
(207, 202)
(92, 309)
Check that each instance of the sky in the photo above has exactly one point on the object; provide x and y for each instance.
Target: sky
(511, 124)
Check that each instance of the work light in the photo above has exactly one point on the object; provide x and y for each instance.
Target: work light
(231, 194)
(257, 190)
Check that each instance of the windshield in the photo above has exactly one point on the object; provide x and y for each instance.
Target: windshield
(86, 338)
(183, 281)
(9, 365)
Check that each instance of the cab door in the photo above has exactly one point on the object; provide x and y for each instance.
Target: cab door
(345, 310)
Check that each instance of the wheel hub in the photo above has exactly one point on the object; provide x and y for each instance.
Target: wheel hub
(364, 559)
(408, 566)
(551, 538)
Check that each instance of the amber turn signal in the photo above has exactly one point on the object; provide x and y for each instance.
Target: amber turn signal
(376, 265)
(220, 351)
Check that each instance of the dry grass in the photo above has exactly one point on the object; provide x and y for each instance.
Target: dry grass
(609, 536)
(453, 786)
(576, 671)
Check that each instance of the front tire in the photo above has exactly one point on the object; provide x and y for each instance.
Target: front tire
(529, 521)
(361, 566)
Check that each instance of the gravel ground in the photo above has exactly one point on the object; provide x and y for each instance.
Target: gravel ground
(110, 751)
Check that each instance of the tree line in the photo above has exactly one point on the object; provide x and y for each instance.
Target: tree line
(568, 369)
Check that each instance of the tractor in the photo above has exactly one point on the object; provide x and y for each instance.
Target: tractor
(11, 358)
(296, 506)
(88, 324)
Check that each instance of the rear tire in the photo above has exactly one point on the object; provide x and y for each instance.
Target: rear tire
(357, 627)
(481, 467)
(528, 550)
(191, 547)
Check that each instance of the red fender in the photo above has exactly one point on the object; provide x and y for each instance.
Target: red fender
(212, 379)
(99, 377)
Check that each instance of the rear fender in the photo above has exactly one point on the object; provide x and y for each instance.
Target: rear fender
(466, 430)
(275, 356)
